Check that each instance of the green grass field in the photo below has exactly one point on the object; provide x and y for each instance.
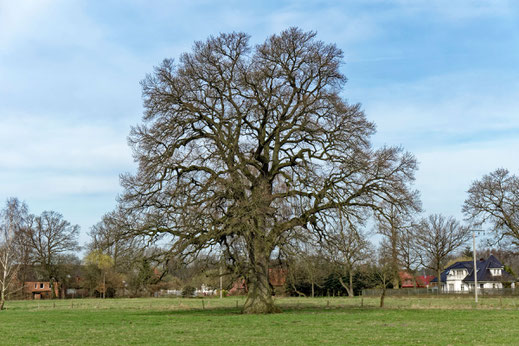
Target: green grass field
(304, 321)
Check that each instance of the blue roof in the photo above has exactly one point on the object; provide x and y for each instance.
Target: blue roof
(483, 272)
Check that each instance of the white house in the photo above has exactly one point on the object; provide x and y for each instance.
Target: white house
(459, 277)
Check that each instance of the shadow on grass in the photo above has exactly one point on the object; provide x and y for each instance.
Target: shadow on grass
(233, 311)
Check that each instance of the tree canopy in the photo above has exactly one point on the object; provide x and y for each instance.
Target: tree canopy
(242, 146)
(495, 200)
(437, 237)
(50, 237)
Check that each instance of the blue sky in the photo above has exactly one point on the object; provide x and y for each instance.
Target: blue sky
(439, 78)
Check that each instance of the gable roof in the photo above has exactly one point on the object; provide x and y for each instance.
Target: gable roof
(458, 265)
(483, 270)
(484, 274)
(493, 262)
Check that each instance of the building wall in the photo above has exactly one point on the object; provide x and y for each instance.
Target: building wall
(455, 285)
(41, 289)
(459, 286)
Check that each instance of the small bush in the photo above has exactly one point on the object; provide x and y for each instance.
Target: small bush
(188, 291)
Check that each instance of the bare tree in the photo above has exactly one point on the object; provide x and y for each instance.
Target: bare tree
(346, 250)
(384, 275)
(495, 199)
(110, 236)
(305, 261)
(233, 135)
(392, 223)
(50, 236)
(13, 220)
(436, 238)
(409, 254)
(311, 261)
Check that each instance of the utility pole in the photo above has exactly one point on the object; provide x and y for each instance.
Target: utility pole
(475, 271)
(475, 263)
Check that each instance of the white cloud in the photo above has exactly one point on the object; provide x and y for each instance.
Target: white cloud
(446, 173)
(46, 22)
(19, 18)
(439, 110)
(58, 185)
(460, 126)
(332, 23)
(457, 10)
(44, 142)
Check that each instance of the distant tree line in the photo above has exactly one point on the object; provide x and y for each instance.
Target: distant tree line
(34, 246)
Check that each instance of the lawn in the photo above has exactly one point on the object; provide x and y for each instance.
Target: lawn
(304, 321)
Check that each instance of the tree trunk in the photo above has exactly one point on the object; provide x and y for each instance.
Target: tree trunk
(349, 289)
(301, 294)
(313, 289)
(52, 289)
(2, 299)
(383, 295)
(3, 288)
(394, 257)
(259, 297)
(351, 293)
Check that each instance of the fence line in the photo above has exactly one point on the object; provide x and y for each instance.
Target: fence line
(403, 292)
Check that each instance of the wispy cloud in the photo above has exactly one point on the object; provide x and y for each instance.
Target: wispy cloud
(51, 23)
(446, 173)
(42, 142)
(457, 10)
(19, 19)
(442, 110)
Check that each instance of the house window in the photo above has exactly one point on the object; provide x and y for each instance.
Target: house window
(35, 285)
(41, 285)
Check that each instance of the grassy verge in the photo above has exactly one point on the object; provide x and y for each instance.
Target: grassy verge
(304, 321)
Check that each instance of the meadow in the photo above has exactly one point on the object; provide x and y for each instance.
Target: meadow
(210, 321)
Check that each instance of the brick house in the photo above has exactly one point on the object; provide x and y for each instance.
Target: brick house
(409, 281)
(277, 279)
(40, 289)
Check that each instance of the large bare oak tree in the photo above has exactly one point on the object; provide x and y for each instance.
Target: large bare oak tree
(241, 147)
